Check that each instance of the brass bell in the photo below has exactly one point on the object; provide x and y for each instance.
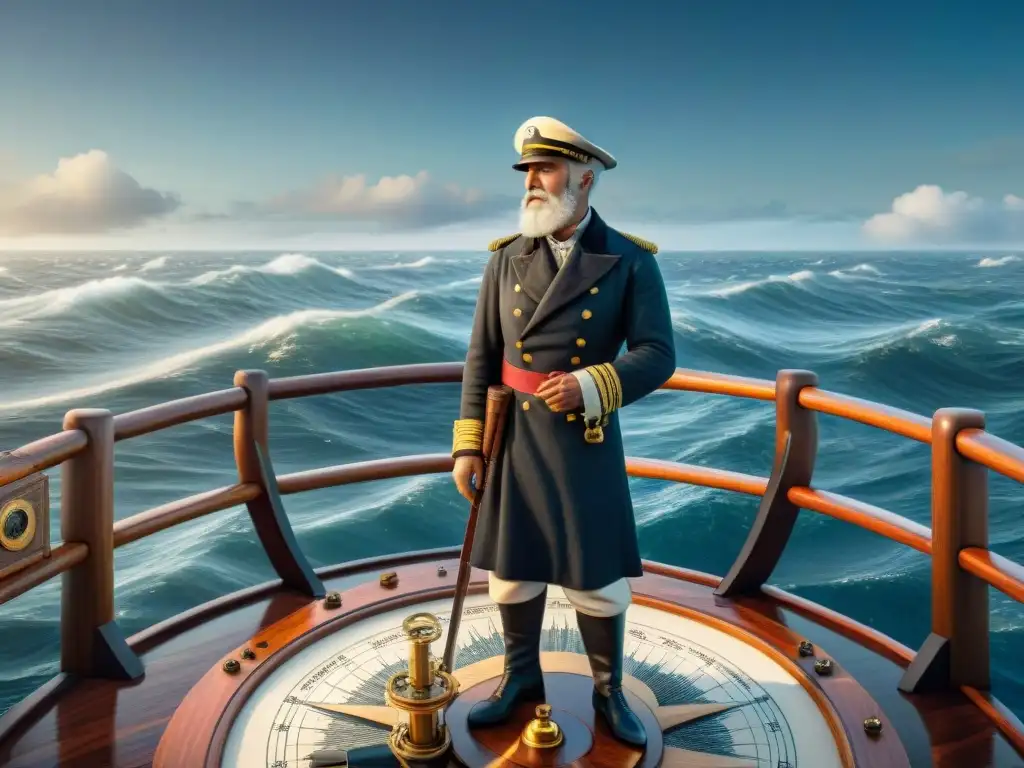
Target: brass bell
(542, 732)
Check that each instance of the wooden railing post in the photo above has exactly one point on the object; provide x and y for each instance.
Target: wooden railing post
(267, 510)
(796, 447)
(956, 652)
(92, 644)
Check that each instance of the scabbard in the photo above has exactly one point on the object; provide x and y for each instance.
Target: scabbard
(498, 398)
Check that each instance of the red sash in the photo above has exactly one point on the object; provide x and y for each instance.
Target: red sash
(522, 380)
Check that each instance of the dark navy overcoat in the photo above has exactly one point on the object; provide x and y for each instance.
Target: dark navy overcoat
(557, 508)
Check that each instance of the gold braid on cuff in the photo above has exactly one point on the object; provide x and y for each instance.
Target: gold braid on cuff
(608, 386)
(468, 435)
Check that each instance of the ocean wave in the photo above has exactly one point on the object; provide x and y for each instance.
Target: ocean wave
(725, 291)
(1000, 261)
(158, 263)
(856, 273)
(418, 264)
(278, 332)
(54, 301)
(5, 274)
(285, 264)
(268, 330)
(18, 310)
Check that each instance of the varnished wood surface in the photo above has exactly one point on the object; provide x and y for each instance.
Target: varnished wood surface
(41, 454)
(720, 384)
(867, 516)
(62, 558)
(1007, 722)
(181, 411)
(995, 570)
(895, 420)
(100, 723)
(993, 452)
(588, 743)
(180, 511)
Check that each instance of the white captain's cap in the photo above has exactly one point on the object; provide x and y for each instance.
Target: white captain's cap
(541, 138)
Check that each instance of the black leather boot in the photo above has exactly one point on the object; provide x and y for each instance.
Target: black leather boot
(604, 639)
(521, 624)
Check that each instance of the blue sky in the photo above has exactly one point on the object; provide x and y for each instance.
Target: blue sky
(736, 124)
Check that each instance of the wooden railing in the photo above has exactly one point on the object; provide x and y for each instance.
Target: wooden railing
(955, 655)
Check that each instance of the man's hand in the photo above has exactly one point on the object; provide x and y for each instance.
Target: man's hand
(468, 474)
(561, 393)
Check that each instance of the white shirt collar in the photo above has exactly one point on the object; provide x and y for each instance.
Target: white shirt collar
(562, 248)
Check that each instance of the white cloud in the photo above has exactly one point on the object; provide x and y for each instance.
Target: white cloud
(402, 202)
(87, 193)
(928, 215)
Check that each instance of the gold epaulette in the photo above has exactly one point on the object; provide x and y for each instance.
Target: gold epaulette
(501, 242)
(647, 245)
(609, 387)
(467, 435)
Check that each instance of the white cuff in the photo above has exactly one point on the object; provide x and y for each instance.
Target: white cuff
(591, 397)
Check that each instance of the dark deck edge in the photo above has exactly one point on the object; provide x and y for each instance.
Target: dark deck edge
(26, 709)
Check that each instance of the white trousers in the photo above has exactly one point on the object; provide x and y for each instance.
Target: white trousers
(606, 601)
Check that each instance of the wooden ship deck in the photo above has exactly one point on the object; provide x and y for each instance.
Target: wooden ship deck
(165, 696)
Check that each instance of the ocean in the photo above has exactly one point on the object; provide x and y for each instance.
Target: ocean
(122, 331)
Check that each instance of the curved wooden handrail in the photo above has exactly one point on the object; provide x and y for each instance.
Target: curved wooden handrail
(364, 378)
(995, 570)
(971, 444)
(685, 380)
(361, 471)
(44, 453)
(875, 519)
(63, 558)
(169, 414)
(693, 474)
(165, 516)
(894, 420)
(977, 445)
(993, 452)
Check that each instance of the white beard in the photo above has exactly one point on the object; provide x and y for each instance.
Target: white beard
(549, 215)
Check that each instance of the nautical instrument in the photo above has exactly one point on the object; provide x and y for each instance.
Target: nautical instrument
(334, 667)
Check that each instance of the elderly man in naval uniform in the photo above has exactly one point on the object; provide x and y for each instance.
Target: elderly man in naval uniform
(556, 304)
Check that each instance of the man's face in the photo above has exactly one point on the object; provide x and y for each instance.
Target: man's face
(544, 180)
(548, 205)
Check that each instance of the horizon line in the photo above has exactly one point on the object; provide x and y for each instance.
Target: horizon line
(920, 249)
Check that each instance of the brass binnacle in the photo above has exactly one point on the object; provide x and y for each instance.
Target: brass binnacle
(422, 691)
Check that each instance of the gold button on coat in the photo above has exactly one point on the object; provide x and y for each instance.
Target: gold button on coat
(517, 311)
(587, 314)
(575, 361)
(581, 342)
(519, 345)
(594, 290)
(518, 287)
(570, 417)
(526, 405)
(527, 357)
